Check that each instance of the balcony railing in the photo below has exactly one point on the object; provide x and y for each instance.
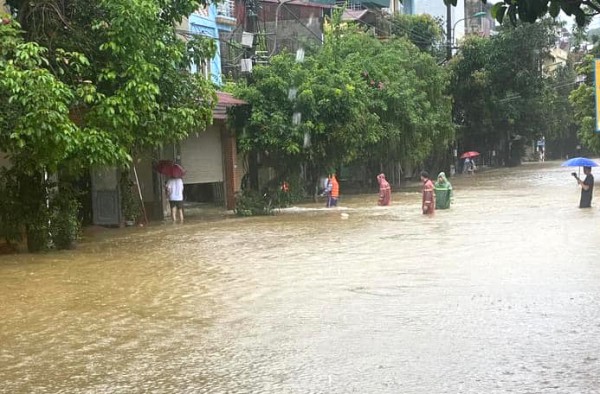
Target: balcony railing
(350, 4)
(226, 9)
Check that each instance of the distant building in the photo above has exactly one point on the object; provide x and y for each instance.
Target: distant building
(556, 58)
(482, 26)
(463, 21)
(437, 9)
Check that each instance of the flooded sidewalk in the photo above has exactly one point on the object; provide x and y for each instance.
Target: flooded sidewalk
(499, 294)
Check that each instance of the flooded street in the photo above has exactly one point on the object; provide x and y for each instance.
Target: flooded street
(500, 294)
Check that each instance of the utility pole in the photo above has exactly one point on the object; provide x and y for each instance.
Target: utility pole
(448, 31)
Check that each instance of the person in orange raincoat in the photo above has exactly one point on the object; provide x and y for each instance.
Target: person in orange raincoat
(385, 191)
(428, 194)
(332, 191)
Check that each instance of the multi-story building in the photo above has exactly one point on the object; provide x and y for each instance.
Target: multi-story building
(553, 60)
(210, 156)
(264, 28)
(480, 25)
(204, 22)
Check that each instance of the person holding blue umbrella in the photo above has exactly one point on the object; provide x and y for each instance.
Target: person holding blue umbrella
(587, 187)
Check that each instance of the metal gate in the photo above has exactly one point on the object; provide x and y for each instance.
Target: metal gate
(106, 199)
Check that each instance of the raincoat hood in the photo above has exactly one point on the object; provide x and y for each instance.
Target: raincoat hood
(443, 176)
(443, 181)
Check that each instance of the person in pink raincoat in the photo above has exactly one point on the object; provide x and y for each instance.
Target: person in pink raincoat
(385, 191)
(428, 194)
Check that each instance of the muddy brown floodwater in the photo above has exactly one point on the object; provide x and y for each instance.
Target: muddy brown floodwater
(499, 294)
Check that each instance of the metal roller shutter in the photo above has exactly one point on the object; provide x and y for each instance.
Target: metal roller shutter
(202, 157)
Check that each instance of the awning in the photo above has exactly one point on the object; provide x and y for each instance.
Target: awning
(353, 15)
(225, 100)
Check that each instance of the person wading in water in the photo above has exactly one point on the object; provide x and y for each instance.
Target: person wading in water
(587, 188)
(385, 191)
(332, 191)
(428, 194)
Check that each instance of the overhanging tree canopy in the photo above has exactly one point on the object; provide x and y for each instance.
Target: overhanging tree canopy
(86, 83)
(124, 72)
(532, 10)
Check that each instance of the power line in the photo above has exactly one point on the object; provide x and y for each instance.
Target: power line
(516, 96)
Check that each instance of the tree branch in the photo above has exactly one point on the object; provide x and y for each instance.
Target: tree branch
(593, 5)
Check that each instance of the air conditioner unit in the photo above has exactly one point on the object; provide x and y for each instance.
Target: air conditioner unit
(246, 65)
(247, 39)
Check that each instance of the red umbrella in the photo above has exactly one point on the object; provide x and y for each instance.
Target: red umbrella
(469, 154)
(168, 168)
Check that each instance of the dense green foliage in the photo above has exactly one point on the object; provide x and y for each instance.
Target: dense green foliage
(559, 120)
(86, 83)
(422, 30)
(583, 101)
(356, 99)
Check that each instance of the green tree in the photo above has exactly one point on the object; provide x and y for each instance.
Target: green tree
(498, 89)
(408, 96)
(559, 121)
(422, 30)
(356, 100)
(309, 112)
(90, 83)
(583, 102)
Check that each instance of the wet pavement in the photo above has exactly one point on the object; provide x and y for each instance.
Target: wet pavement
(499, 294)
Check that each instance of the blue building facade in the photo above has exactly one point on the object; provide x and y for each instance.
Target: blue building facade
(204, 22)
(213, 21)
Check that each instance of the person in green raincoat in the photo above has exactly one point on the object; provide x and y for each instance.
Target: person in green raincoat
(443, 192)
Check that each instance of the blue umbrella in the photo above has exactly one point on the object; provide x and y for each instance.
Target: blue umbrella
(579, 162)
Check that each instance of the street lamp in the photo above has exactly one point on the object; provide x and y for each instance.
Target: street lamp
(450, 32)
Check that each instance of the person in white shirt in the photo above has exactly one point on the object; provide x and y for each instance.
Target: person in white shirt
(174, 188)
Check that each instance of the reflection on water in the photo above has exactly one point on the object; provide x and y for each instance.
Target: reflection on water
(499, 294)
